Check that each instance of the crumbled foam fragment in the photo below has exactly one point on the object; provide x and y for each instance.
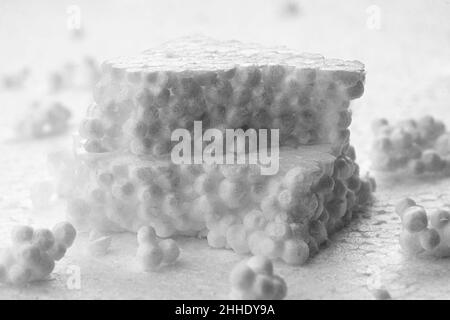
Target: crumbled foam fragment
(381, 294)
(43, 120)
(153, 252)
(286, 216)
(422, 232)
(140, 100)
(254, 279)
(415, 146)
(33, 252)
(126, 179)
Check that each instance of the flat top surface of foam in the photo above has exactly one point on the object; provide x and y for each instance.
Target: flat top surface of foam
(206, 54)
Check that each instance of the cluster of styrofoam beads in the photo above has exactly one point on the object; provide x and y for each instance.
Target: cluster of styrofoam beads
(145, 105)
(44, 120)
(254, 279)
(84, 74)
(153, 252)
(420, 145)
(286, 216)
(423, 232)
(33, 252)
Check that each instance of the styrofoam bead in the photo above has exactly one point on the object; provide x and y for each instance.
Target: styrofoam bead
(144, 174)
(383, 145)
(259, 243)
(146, 235)
(98, 196)
(354, 183)
(114, 131)
(269, 207)
(216, 239)
(161, 148)
(280, 287)
(105, 179)
(295, 252)
(140, 146)
(313, 247)
(260, 265)
(233, 193)
(136, 128)
(234, 172)
(439, 218)
(318, 231)
(242, 277)
(340, 189)
(414, 219)
(208, 206)
(442, 145)
(296, 179)
(417, 166)
(264, 287)
(94, 146)
(123, 191)
(351, 200)
(325, 216)
(365, 193)
(92, 129)
(19, 274)
(343, 168)
(57, 251)
(120, 171)
(254, 220)
(237, 238)
(22, 234)
(44, 268)
(429, 239)
(286, 200)
(278, 231)
(28, 254)
(7, 257)
(433, 162)
(206, 183)
(99, 246)
(164, 228)
(401, 139)
(172, 205)
(3, 274)
(149, 257)
(226, 221)
(404, 204)
(43, 238)
(410, 243)
(170, 250)
(325, 185)
(430, 129)
(64, 233)
(337, 207)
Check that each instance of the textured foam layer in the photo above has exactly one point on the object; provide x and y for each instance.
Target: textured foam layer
(315, 192)
(140, 100)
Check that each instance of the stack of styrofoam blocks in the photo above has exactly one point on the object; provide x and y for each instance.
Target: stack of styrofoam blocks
(126, 179)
